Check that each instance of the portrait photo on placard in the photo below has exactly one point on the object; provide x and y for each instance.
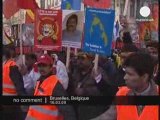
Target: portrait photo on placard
(73, 22)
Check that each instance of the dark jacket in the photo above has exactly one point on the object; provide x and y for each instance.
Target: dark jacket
(67, 110)
(15, 112)
(89, 87)
(119, 80)
(17, 79)
(111, 113)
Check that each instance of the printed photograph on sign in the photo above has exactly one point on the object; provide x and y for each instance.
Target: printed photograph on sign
(14, 34)
(48, 29)
(72, 28)
(28, 34)
(98, 31)
(7, 39)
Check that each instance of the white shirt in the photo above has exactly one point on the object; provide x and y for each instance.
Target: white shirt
(30, 79)
(62, 74)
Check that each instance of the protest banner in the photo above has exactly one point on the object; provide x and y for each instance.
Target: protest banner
(14, 34)
(71, 4)
(98, 3)
(48, 29)
(72, 28)
(27, 34)
(98, 31)
(7, 35)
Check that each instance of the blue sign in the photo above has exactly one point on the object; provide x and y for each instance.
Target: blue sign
(71, 4)
(98, 34)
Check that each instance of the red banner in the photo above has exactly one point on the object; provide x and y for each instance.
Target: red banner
(26, 50)
(48, 29)
(10, 7)
(98, 3)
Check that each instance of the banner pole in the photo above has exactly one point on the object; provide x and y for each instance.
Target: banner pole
(96, 62)
(75, 51)
(126, 7)
(68, 57)
(21, 42)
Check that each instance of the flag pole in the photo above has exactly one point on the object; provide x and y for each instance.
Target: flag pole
(21, 42)
(96, 62)
(75, 51)
(126, 7)
(68, 58)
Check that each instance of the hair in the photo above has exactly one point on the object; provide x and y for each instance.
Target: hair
(142, 63)
(129, 48)
(153, 44)
(32, 56)
(7, 49)
(127, 37)
(73, 16)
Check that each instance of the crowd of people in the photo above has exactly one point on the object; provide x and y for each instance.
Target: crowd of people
(128, 71)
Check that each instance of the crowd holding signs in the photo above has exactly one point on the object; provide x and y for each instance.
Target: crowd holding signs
(70, 26)
(94, 68)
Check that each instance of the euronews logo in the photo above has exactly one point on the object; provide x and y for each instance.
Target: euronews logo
(145, 14)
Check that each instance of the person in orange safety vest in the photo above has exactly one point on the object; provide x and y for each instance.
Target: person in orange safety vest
(138, 76)
(12, 85)
(49, 85)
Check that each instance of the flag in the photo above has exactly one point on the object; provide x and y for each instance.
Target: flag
(98, 3)
(71, 4)
(29, 17)
(31, 6)
(6, 39)
(27, 4)
(9, 8)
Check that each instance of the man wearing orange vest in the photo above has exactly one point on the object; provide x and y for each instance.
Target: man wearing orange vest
(49, 85)
(12, 80)
(138, 77)
(12, 85)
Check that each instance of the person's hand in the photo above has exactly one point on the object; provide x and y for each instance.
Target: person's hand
(96, 74)
(79, 91)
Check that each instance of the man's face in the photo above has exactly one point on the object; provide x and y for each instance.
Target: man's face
(132, 79)
(124, 55)
(153, 52)
(72, 24)
(29, 62)
(44, 69)
(83, 63)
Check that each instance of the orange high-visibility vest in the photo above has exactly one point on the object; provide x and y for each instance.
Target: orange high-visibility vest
(129, 112)
(8, 85)
(44, 112)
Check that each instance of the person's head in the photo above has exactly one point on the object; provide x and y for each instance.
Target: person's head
(127, 37)
(9, 52)
(30, 60)
(45, 65)
(72, 23)
(152, 48)
(127, 50)
(84, 61)
(138, 70)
